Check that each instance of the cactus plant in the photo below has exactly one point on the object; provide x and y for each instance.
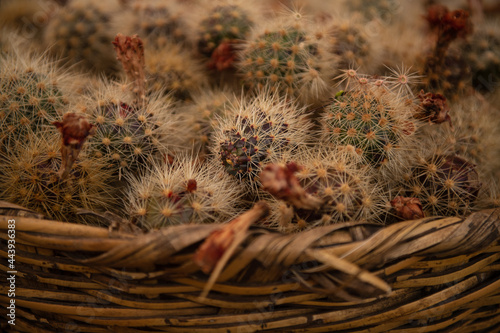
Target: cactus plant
(29, 177)
(182, 193)
(373, 117)
(223, 22)
(445, 183)
(289, 57)
(256, 131)
(81, 34)
(171, 69)
(345, 190)
(30, 96)
(482, 52)
(380, 10)
(127, 135)
(155, 21)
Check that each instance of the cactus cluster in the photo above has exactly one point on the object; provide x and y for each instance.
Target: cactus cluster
(335, 112)
(81, 34)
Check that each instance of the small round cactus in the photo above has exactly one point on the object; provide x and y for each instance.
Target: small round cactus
(370, 117)
(352, 45)
(29, 177)
(288, 57)
(81, 34)
(445, 183)
(128, 135)
(380, 10)
(482, 52)
(156, 21)
(30, 96)
(207, 105)
(345, 191)
(171, 69)
(224, 22)
(255, 132)
(182, 193)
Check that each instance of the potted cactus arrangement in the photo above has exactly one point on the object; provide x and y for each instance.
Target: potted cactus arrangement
(231, 166)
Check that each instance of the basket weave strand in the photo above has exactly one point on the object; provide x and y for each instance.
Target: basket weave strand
(423, 275)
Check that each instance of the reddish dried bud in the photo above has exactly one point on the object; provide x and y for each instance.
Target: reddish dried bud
(223, 56)
(435, 14)
(282, 184)
(456, 24)
(130, 52)
(74, 129)
(229, 236)
(191, 185)
(407, 208)
(435, 108)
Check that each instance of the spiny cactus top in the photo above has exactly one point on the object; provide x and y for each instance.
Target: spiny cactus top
(156, 21)
(224, 22)
(482, 52)
(127, 135)
(345, 190)
(381, 10)
(29, 177)
(31, 96)
(289, 57)
(171, 69)
(182, 193)
(373, 117)
(256, 131)
(81, 34)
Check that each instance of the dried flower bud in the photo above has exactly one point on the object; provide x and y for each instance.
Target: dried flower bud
(191, 185)
(130, 52)
(407, 208)
(223, 56)
(74, 129)
(282, 184)
(434, 108)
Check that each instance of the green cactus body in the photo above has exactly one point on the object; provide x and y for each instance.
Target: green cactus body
(182, 193)
(351, 45)
(445, 184)
(156, 21)
(29, 177)
(381, 10)
(29, 100)
(255, 132)
(81, 34)
(346, 190)
(171, 69)
(288, 58)
(482, 51)
(128, 135)
(224, 23)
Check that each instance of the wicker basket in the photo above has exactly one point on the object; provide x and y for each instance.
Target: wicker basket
(433, 274)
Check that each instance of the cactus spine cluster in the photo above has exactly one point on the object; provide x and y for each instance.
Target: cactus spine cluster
(182, 193)
(257, 131)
